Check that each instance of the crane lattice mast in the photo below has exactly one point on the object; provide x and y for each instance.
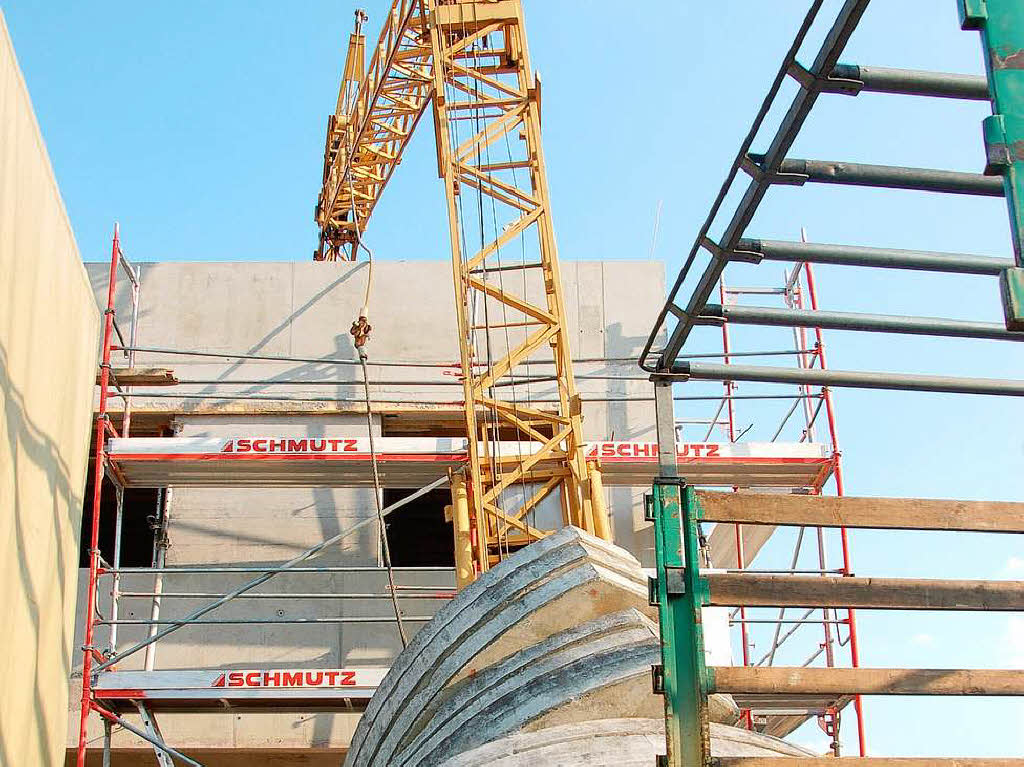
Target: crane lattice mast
(470, 61)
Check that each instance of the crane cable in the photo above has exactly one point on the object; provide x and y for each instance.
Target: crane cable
(360, 331)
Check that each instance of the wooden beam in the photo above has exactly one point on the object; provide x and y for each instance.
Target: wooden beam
(771, 680)
(142, 377)
(756, 590)
(867, 761)
(881, 513)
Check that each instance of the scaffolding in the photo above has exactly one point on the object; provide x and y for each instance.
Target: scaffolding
(681, 589)
(792, 461)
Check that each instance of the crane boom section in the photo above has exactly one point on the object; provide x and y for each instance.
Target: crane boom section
(371, 126)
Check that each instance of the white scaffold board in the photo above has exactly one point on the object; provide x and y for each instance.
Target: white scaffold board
(409, 462)
(316, 687)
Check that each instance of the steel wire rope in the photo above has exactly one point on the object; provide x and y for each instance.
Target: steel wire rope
(361, 349)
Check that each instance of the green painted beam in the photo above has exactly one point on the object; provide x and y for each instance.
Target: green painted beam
(681, 592)
(1001, 24)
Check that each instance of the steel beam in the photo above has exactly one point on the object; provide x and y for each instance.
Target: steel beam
(795, 171)
(870, 323)
(1001, 23)
(683, 674)
(707, 371)
(908, 82)
(855, 255)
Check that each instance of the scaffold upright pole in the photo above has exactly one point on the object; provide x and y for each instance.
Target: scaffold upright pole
(681, 591)
(102, 425)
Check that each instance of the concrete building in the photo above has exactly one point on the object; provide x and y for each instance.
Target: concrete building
(302, 311)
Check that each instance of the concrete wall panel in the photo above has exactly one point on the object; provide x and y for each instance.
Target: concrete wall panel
(48, 331)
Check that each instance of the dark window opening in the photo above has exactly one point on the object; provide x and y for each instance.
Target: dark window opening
(136, 533)
(418, 535)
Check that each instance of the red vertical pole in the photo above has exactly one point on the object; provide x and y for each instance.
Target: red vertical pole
(97, 490)
(737, 529)
(838, 471)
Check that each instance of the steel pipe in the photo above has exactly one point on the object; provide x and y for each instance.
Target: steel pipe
(870, 323)
(885, 258)
(854, 379)
(887, 176)
(909, 82)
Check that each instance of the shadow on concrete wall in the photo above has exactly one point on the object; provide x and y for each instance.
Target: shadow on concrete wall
(26, 440)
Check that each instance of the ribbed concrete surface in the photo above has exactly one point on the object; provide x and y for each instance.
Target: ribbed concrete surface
(555, 635)
(609, 743)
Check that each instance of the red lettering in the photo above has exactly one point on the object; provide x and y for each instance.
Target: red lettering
(332, 677)
(229, 447)
(243, 445)
(253, 679)
(712, 451)
(259, 446)
(297, 446)
(318, 445)
(219, 682)
(271, 679)
(291, 679)
(683, 450)
(351, 446)
(607, 449)
(334, 444)
(348, 678)
(278, 445)
(236, 679)
(696, 450)
(314, 678)
(622, 449)
(592, 450)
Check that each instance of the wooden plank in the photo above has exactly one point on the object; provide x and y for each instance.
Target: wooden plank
(143, 377)
(757, 590)
(867, 761)
(769, 680)
(880, 513)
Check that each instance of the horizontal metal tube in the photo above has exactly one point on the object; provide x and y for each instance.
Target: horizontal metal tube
(893, 177)
(885, 258)
(247, 621)
(915, 82)
(192, 570)
(855, 379)
(870, 323)
(261, 595)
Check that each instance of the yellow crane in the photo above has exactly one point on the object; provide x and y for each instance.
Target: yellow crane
(467, 60)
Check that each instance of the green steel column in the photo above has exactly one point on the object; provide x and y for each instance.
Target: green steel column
(1001, 23)
(681, 591)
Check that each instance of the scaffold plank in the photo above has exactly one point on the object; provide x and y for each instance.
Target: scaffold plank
(413, 461)
(881, 513)
(758, 590)
(769, 680)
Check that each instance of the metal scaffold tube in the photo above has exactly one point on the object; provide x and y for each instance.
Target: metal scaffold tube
(872, 323)
(885, 258)
(704, 371)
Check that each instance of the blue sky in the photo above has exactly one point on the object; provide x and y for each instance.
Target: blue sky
(200, 127)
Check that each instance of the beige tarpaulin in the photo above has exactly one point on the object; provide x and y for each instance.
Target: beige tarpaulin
(48, 335)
